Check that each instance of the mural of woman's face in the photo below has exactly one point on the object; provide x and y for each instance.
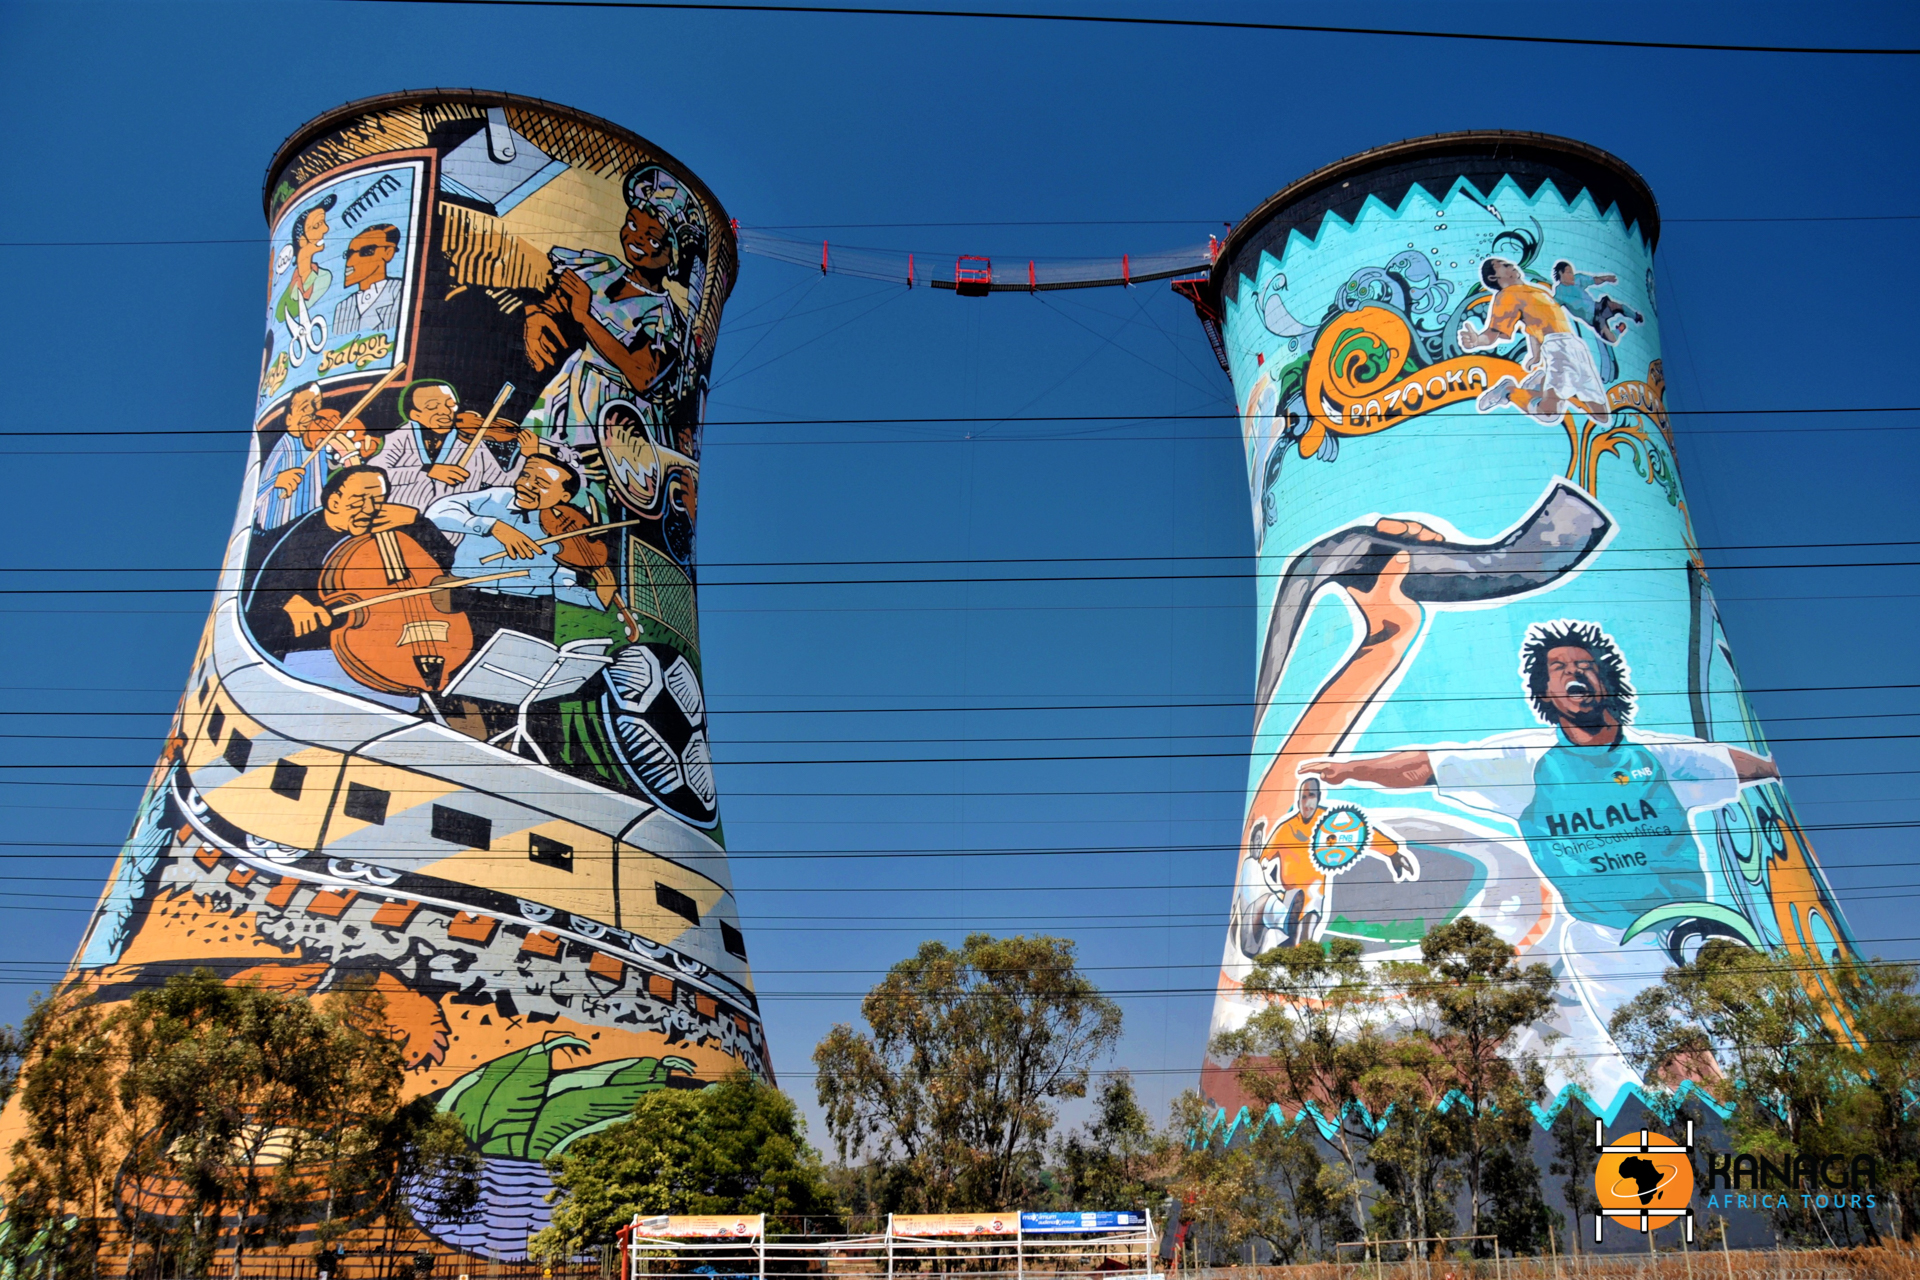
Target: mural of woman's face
(643, 237)
(313, 233)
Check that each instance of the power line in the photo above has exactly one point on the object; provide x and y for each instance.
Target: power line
(1257, 572)
(1208, 24)
(1239, 754)
(963, 420)
(875, 226)
(587, 857)
(712, 697)
(1170, 735)
(1183, 557)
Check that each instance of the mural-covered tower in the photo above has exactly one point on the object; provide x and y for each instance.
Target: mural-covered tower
(1492, 681)
(446, 731)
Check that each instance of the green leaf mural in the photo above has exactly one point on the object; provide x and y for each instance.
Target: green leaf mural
(520, 1105)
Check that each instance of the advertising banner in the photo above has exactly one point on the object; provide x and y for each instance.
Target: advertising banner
(722, 1227)
(1046, 1223)
(955, 1224)
(1492, 681)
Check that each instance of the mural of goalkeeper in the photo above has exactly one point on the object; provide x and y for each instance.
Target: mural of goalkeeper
(1285, 888)
(1603, 809)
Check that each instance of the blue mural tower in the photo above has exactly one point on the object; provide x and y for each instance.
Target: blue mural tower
(1492, 681)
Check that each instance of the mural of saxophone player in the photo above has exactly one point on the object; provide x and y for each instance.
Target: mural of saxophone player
(1284, 893)
(1604, 811)
(627, 319)
(1561, 372)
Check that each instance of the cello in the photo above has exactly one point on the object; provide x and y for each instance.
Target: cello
(398, 631)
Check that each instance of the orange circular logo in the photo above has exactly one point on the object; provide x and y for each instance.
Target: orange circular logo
(1644, 1180)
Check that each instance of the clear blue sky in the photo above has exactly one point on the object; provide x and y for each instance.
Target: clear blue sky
(134, 131)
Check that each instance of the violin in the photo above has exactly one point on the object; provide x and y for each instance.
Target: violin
(398, 631)
(583, 553)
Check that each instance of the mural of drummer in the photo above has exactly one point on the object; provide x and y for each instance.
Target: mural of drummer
(1562, 374)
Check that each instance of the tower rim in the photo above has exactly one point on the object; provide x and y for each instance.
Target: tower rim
(329, 120)
(1619, 183)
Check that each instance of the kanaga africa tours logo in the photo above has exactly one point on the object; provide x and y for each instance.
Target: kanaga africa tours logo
(1644, 1181)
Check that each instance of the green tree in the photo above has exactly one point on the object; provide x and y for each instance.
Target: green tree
(1416, 1148)
(384, 1166)
(738, 1146)
(1271, 1186)
(1472, 1001)
(1819, 1052)
(1574, 1160)
(967, 1055)
(1111, 1162)
(1310, 1043)
(61, 1163)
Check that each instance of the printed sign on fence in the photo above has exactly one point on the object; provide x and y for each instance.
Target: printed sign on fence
(1042, 1223)
(704, 1227)
(955, 1224)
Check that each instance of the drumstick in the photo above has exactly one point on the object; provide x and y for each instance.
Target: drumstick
(505, 391)
(404, 593)
(562, 537)
(353, 413)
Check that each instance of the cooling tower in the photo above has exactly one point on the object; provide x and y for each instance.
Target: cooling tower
(1492, 681)
(445, 731)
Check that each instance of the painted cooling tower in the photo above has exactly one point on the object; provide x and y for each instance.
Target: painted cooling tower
(1492, 681)
(445, 730)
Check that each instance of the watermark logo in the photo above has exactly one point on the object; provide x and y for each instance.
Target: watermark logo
(1644, 1180)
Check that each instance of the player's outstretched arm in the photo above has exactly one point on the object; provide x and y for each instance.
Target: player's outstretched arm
(1752, 768)
(1396, 770)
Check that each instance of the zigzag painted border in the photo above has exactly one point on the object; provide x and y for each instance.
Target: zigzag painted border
(1664, 1103)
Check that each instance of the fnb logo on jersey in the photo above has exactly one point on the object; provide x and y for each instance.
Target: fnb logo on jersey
(1644, 1180)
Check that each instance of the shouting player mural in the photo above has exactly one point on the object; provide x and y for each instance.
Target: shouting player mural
(1492, 680)
(446, 732)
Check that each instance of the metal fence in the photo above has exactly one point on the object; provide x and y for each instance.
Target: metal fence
(1710, 1262)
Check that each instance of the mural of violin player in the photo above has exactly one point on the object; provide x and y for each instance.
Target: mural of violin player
(1447, 356)
(446, 730)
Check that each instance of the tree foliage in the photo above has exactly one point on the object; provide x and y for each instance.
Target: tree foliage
(1114, 1161)
(1435, 1049)
(738, 1146)
(950, 1095)
(206, 1116)
(1822, 1057)
(1274, 1187)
